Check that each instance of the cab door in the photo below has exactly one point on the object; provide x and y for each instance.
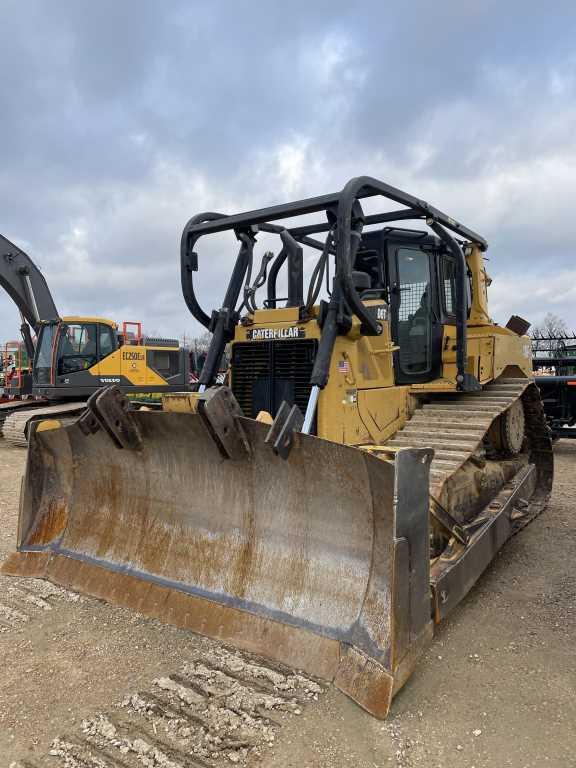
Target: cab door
(106, 347)
(76, 358)
(415, 318)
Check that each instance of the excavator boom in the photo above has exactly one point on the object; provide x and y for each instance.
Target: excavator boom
(26, 285)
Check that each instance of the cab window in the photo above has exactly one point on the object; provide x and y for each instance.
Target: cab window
(77, 347)
(414, 311)
(43, 362)
(448, 283)
(106, 344)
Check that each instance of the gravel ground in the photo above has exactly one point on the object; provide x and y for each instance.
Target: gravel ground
(101, 687)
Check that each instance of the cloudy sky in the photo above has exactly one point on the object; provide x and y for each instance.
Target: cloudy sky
(120, 120)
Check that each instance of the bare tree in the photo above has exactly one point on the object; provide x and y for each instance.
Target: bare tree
(547, 335)
(197, 343)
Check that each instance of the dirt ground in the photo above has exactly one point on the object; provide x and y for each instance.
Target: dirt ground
(86, 685)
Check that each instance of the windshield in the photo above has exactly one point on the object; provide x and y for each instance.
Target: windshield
(76, 347)
(43, 363)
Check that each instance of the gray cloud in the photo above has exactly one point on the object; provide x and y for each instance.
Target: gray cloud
(120, 120)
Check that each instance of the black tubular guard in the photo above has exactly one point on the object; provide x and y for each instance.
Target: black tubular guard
(350, 221)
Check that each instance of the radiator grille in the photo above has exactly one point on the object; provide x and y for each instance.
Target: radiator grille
(264, 373)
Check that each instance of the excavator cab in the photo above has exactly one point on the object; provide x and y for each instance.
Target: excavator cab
(76, 355)
(379, 441)
(69, 350)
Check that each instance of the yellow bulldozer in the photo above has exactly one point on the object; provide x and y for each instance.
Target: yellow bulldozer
(378, 441)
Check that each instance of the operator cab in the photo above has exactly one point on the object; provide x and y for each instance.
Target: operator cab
(412, 271)
(72, 345)
(82, 344)
(418, 279)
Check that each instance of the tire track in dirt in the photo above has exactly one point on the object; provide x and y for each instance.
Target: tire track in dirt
(24, 600)
(221, 707)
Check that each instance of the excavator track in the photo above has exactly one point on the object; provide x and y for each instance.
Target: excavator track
(15, 427)
(13, 406)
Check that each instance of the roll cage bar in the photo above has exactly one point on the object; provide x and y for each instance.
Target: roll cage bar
(344, 222)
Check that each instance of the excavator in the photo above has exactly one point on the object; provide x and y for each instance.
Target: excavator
(75, 356)
(379, 440)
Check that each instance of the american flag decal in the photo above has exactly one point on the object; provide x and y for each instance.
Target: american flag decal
(343, 366)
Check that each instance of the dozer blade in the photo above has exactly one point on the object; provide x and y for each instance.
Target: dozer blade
(319, 561)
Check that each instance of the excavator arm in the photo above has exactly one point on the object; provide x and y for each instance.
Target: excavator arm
(27, 287)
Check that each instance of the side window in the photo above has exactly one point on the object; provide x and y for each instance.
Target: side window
(105, 341)
(164, 362)
(43, 364)
(448, 283)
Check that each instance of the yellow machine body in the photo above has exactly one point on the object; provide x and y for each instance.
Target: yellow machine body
(331, 530)
(361, 404)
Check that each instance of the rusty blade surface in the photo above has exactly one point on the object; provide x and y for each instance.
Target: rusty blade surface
(304, 550)
(288, 539)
